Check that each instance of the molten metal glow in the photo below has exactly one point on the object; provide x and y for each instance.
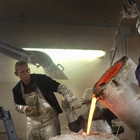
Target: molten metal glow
(83, 133)
(92, 108)
(108, 75)
(105, 79)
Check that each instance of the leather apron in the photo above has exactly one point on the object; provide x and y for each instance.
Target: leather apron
(44, 122)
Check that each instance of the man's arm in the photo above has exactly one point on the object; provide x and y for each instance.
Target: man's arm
(20, 108)
(69, 96)
(62, 89)
(78, 124)
(17, 95)
(25, 109)
(75, 124)
(19, 103)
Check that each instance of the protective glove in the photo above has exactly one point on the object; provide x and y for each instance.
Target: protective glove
(30, 109)
(70, 113)
(68, 95)
(74, 104)
(65, 105)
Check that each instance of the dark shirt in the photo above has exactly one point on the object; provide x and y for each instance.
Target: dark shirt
(28, 88)
(46, 85)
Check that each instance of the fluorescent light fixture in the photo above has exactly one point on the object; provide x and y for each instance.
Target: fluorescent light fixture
(70, 53)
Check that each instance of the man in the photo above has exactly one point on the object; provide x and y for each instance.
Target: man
(101, 119)
(33, 96)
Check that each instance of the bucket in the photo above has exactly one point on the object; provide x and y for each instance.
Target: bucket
(118, 90)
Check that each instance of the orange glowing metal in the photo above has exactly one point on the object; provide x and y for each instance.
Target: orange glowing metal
(105, 79)
(92, 108)
(108, 75)
(83, 133)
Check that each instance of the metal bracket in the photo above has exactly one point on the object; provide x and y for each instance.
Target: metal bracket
(9, 126)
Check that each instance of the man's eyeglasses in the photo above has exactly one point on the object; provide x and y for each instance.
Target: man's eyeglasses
(23, 72)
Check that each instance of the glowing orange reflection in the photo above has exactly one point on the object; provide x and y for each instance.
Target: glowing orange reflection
(108, 75)
(104, 80)
(83, 133)
(92, 108)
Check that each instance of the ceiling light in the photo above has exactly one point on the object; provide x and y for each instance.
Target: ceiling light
(69, 53)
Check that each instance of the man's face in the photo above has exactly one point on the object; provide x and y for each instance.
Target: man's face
(23, 72)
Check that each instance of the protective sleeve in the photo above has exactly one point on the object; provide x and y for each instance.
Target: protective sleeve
(71, 116)
(20, 108)
(24, 109)
(78, 124)
(68, 95)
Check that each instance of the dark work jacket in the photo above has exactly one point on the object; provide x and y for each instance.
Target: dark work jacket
(46, 85)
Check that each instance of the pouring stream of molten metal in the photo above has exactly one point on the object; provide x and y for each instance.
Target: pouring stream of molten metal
(92, 108)
(105, 79)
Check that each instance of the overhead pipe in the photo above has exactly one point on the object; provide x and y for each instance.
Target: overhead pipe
(34, 57)
(54, 21)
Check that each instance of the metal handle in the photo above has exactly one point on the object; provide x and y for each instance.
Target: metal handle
(60, 66)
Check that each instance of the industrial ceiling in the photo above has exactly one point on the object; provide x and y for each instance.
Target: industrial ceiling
(58, 24)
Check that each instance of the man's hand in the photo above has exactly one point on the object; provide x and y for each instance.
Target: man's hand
(70, 113)
(30, 109)
(74, 104)
(65, 105)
